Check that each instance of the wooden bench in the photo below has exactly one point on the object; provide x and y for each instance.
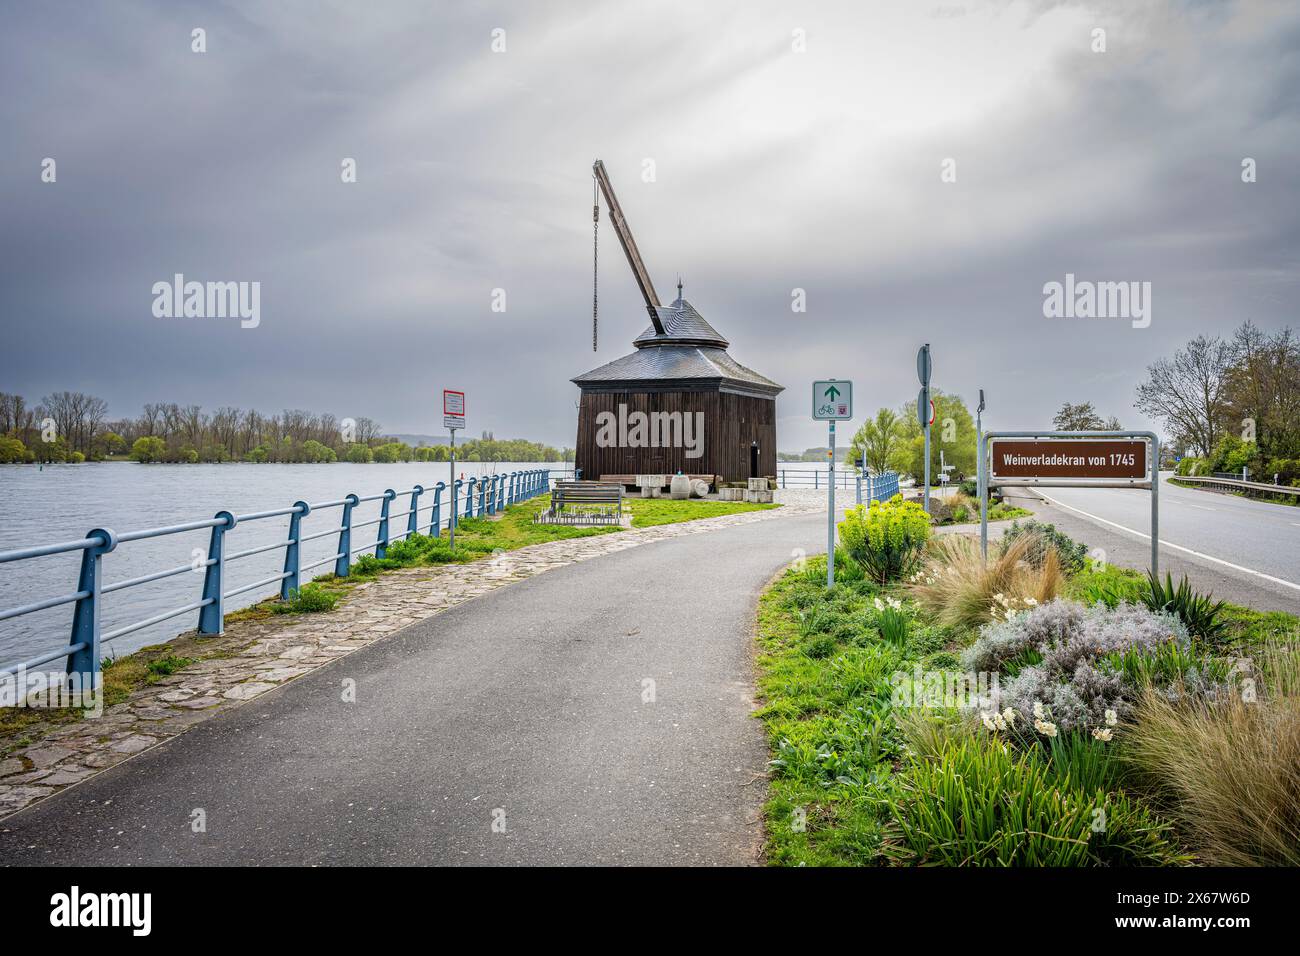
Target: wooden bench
(599, 502)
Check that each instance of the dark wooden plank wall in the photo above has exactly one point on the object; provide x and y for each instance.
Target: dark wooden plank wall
(731, 423)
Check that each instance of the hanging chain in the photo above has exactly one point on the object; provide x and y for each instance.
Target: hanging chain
(595, 251)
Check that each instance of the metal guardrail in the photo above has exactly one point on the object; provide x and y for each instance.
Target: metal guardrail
(1214, 481)
(493, 493)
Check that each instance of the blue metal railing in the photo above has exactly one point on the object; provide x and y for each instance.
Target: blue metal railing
(877, 487)
(83, 648)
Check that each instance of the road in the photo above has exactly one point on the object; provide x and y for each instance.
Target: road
(524, 706)
(1246, 551)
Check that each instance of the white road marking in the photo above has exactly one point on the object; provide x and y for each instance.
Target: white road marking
(1170, 544)
(1190, 505)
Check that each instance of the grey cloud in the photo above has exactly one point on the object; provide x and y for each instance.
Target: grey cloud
(775, 170)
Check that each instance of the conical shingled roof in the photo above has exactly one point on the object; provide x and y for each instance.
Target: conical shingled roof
(682, 326)
(691, 353)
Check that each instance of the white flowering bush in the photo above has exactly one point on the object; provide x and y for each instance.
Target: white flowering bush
(1059, 658)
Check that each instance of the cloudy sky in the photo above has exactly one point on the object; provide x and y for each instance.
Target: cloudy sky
(793, 146)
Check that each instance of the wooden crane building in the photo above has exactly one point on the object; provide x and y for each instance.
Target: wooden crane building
(679, 402)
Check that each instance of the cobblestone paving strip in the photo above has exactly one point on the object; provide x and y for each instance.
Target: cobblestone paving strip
(259, 655)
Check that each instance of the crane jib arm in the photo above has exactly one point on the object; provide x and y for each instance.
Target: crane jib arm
(639, 270)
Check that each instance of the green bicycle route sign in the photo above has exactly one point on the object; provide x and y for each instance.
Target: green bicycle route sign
(832, 400)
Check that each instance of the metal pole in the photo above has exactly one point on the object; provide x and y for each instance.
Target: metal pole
(926, 494)
(452, 484)
(1155, 506)
(981, 482)
(979, 477)
(830, 514)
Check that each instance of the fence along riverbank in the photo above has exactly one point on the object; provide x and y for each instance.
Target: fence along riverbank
(476, 496)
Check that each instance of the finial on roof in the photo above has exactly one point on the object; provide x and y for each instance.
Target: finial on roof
(679, 288)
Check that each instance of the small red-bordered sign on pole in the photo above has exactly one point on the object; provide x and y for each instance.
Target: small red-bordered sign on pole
(453, 403)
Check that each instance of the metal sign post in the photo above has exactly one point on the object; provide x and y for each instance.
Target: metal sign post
(453, 417)
(923, 369)
(832, 402)
(830, 511)
(1090, 459)
(451, 485)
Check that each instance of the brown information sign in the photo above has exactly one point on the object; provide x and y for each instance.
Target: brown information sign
(1050, 458)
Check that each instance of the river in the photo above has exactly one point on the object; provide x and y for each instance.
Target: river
(63, 502)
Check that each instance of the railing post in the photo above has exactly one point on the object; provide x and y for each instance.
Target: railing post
(292, 564)
(482, 495)
(413, 519)
(85, 616)
(435, 526)
(491, 489)
(455, 494)
(381, 543)
(501, 493)
(510, 488)
(344, 561)
(212, 616)
(469, 496)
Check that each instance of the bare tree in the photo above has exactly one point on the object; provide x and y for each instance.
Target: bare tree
(368, 430)
(1187, 392)
(13, 413)
(151, 418)
(94, 411)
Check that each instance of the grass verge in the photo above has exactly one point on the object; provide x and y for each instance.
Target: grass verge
(858, 779)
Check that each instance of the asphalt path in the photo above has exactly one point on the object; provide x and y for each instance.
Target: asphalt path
(595, 714)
